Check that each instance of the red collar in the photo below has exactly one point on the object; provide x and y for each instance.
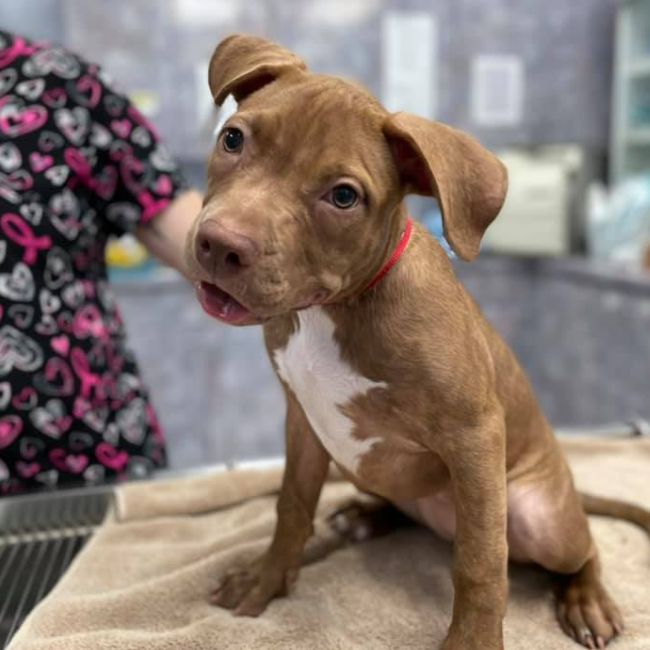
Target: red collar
(397, 254)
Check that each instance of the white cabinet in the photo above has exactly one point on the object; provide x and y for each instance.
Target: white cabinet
(542, 203)
(630, 150)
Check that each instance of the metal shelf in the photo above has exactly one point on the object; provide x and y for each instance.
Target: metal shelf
(630, 146)
(639, 67)
(639, 136)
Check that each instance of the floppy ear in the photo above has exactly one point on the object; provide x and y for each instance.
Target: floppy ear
(242, 64)
(469, 182)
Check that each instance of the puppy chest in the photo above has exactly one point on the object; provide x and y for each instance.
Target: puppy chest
(325, 384)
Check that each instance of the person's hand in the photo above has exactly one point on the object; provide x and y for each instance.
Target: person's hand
(164, 236)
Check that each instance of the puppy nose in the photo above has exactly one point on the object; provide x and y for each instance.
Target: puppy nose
(220, 250)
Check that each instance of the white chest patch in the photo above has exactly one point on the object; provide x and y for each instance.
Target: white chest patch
(324, 384)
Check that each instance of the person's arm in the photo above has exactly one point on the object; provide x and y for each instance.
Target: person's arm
(164, 236)
(137, 186)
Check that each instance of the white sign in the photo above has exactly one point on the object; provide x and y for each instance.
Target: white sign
(206, 13)
(202, 96)
(340, 12)
(410, 62)
(497, 94)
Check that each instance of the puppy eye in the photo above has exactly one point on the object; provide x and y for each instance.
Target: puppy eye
(233, 139)
(344, 196)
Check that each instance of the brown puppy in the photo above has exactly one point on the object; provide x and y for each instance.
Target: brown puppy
(404, 385)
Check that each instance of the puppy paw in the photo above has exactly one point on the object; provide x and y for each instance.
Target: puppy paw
(588, 615)
(359, 521)
(248, 590)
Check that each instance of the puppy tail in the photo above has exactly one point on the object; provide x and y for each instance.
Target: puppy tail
(594, 505)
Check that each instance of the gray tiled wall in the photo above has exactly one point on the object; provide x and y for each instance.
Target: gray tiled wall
(566, 47)
(212, 385)
(581, 332)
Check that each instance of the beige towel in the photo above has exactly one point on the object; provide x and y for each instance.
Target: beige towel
(143, 580)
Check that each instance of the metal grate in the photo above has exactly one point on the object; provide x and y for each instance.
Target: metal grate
(39, 536)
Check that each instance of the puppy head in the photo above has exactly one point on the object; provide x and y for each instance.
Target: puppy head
(306, 182)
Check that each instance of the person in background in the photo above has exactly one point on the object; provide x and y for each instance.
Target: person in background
(78, 163)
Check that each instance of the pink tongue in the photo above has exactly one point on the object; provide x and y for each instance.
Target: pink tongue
(220, 305)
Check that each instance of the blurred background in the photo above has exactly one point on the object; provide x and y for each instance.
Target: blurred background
(561, 90)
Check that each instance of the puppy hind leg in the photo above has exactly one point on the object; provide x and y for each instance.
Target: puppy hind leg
(554, 533)
(585, 610)
(361, 520)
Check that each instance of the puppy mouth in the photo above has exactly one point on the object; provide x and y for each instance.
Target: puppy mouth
(224, 307)
(221, 305)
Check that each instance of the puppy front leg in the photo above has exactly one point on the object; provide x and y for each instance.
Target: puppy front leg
(249, 589)
(476, 460)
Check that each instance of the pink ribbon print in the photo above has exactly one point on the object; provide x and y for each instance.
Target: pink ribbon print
(88, 322)
(88, 379)
(19, 231)
(85, 378)
(17, 48)
(140, 119)
(78, 164)
(150, 206)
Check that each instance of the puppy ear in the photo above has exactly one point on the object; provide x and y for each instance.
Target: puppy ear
(469, 182)
(242, 64)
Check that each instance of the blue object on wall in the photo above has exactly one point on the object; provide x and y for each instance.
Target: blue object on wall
(432, 221)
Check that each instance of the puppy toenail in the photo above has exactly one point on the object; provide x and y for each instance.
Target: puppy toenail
(361, 532)
(587, 638)
(342, 523)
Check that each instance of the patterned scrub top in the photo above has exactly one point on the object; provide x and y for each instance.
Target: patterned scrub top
(77, 163)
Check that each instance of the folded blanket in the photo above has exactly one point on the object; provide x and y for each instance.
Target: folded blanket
(143, 581)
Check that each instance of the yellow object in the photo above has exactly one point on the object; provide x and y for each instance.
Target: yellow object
(125, 252)
(146, 101)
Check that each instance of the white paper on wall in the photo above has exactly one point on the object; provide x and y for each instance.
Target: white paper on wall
(410, 62)
(205, 108)
(497, 91)
(340, 12)
(206, 13)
